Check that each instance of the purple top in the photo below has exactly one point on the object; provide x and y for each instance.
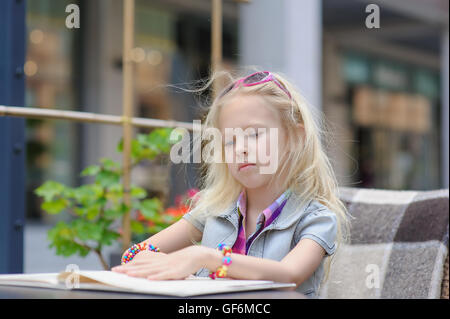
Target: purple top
(268, 215)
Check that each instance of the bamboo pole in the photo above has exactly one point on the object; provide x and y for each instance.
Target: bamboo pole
(128, 101)
(87, 117)
(216, 41)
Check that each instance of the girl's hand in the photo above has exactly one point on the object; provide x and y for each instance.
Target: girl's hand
(177, 265)
(141, 256)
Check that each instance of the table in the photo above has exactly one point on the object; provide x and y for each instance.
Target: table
(16, 292)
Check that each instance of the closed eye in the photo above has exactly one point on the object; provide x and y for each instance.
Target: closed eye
(254, 135)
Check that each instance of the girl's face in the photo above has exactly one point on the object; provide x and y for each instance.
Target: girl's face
(258, 149)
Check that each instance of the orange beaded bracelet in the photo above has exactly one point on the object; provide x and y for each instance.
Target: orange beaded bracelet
(221, 272)
(135, 249)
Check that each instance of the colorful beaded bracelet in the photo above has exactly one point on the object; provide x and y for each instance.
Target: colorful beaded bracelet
(153, 248)
(221, 272)
(135, 249)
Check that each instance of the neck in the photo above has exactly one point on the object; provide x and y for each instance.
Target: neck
(260, 198)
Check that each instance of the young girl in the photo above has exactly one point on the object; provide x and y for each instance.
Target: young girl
(280, 226)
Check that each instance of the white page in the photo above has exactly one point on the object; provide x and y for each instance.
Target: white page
(112, 281)
(45, 280)
(182, 288)
(49, 278)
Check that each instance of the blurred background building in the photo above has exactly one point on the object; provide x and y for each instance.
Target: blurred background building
(383, 92)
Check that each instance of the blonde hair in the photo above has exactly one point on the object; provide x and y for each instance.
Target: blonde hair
(306, 165)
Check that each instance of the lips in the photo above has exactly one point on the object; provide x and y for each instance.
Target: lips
(243, 165)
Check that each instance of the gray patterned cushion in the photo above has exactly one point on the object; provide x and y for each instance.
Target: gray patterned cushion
(399, 243)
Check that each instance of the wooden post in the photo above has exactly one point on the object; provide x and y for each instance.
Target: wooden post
(216, 41)
(88, 117)
(128, 102)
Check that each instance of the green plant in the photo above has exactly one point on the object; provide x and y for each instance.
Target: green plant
(95, 207)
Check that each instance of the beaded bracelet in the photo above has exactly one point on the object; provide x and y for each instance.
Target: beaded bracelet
(221, 272)
(135, 249)
(153, 248)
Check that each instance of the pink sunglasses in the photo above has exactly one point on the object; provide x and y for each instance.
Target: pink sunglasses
(255, 79)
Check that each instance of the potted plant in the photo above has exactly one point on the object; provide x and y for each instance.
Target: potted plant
(97, 208)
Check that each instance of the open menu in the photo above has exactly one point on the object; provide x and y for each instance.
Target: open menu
(112, 281)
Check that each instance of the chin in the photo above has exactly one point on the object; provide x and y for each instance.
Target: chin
(252, 182)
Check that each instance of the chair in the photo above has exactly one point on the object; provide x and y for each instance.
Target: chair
(398, 247)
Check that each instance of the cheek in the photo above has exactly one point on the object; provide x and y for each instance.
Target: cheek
(269, 147)
(228, 155)
(264, 147)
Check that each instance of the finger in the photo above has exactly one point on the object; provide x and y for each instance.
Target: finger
(131, 265)
(162, 275)
(141, 270)
(123, 268)
(146, 268)
(142, 261)
(118, 268)
(138, 273)
(137, 268)
(156, 270)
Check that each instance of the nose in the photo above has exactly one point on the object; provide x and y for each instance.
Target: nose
(241, 147)
(246, 151)
(241, 152)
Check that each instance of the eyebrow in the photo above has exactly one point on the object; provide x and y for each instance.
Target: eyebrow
(255, 124)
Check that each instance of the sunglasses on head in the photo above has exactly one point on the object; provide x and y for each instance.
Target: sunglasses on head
(255, 79)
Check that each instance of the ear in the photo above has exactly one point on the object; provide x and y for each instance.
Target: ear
(300, 130)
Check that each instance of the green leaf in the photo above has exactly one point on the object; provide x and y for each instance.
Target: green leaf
(88, 194)
(142, 139)
(61, 229)
(114, 192)
(137, 227)
(108, 237)
(107, 178)
(109, 164)
(49, 190)
(120, 146)
(83, 251)
(116, 188)
(138, 192)
(80, 211)
(62, 238)
(93, 211)
(161, 139)
(89, 212)
(150, 207)
(86, 230)
(136, 149)
(115, 211)
(91, 170)
(55, 206)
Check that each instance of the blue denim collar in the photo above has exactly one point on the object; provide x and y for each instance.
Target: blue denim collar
(290, 213)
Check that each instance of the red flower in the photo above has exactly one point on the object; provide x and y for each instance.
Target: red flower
(177, 211)
(140, 217)
(172, 211)
(178, 200)
(183, 210)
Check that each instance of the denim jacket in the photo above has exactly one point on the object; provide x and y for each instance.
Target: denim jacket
(313, 220)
